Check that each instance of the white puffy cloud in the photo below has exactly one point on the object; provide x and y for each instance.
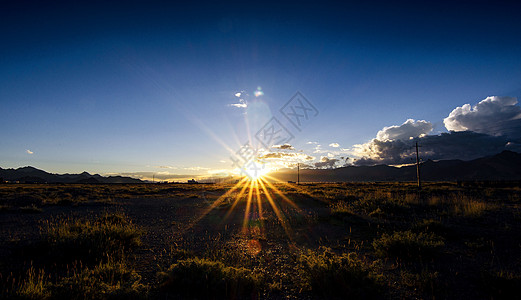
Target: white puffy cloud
(29, 151)
(495, 115)
(334, 145)
(409, 129)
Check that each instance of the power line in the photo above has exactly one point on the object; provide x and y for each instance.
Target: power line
(418, 168)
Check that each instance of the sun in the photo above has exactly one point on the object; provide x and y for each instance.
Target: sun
(255, 170)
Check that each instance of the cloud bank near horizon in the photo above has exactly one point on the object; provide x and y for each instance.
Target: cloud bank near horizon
(489, 127)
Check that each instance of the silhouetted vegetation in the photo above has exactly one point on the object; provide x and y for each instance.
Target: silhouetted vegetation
(315, 241)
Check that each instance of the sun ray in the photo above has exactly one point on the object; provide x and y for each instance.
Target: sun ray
(299, 187)
(278, 213)
(216, 203)
(247, 210)
(237, 200)
(259, 209)
(273, 187)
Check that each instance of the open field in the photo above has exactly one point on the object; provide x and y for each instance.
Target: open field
(258, 240)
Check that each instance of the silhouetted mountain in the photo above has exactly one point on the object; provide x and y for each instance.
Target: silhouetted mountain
(33, 175)
(503, 166)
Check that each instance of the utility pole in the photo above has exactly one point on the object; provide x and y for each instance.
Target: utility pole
(298, 173)
(418, 168)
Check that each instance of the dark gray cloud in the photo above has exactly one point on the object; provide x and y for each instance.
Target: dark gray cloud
(463, 145)
(283, 147)
(491, 126)
(326, 163)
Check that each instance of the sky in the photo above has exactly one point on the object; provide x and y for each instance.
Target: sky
(144, 87)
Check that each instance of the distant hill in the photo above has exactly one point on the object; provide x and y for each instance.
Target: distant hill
(33, 175)
(503, 166)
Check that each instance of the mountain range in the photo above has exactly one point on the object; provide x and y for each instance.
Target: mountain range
(33, 175)
(503, 166)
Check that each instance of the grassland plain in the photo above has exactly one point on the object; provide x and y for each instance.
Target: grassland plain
(308, 241)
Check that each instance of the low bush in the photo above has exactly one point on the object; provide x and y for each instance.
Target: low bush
(195, 277)
(91, 241)
(110, 280)
(407, 244)
(329, 275)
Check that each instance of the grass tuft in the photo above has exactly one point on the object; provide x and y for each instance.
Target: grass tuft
(330, 275)
(86, 240)
(407, 244)
(195, 277)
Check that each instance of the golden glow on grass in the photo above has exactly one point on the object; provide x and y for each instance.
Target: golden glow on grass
(254, 195)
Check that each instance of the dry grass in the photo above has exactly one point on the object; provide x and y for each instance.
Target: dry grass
(360, 240)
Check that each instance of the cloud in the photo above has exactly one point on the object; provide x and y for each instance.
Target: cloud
(29, 151)
(283, 147)
(287, 155)
(196, 168)
(409, 129)
(241, 104)
(312, 143)
(326, 163)
(165, 167)
(463, 145)
(495, 115)
(334, 145)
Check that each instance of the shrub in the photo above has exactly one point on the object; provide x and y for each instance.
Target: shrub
(330, 275)
(33, 286)
(87, 240)
(430, 225)
(105, 281)
(197, 277)
(407, 244)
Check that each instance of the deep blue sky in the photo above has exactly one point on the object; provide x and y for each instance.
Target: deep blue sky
(130, 87)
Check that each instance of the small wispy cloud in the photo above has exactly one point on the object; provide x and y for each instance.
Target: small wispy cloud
(165, 167)
(29, 151)
(334, 145)
(312, 143)
(196, 168)
(283, 147)
(242, 103)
